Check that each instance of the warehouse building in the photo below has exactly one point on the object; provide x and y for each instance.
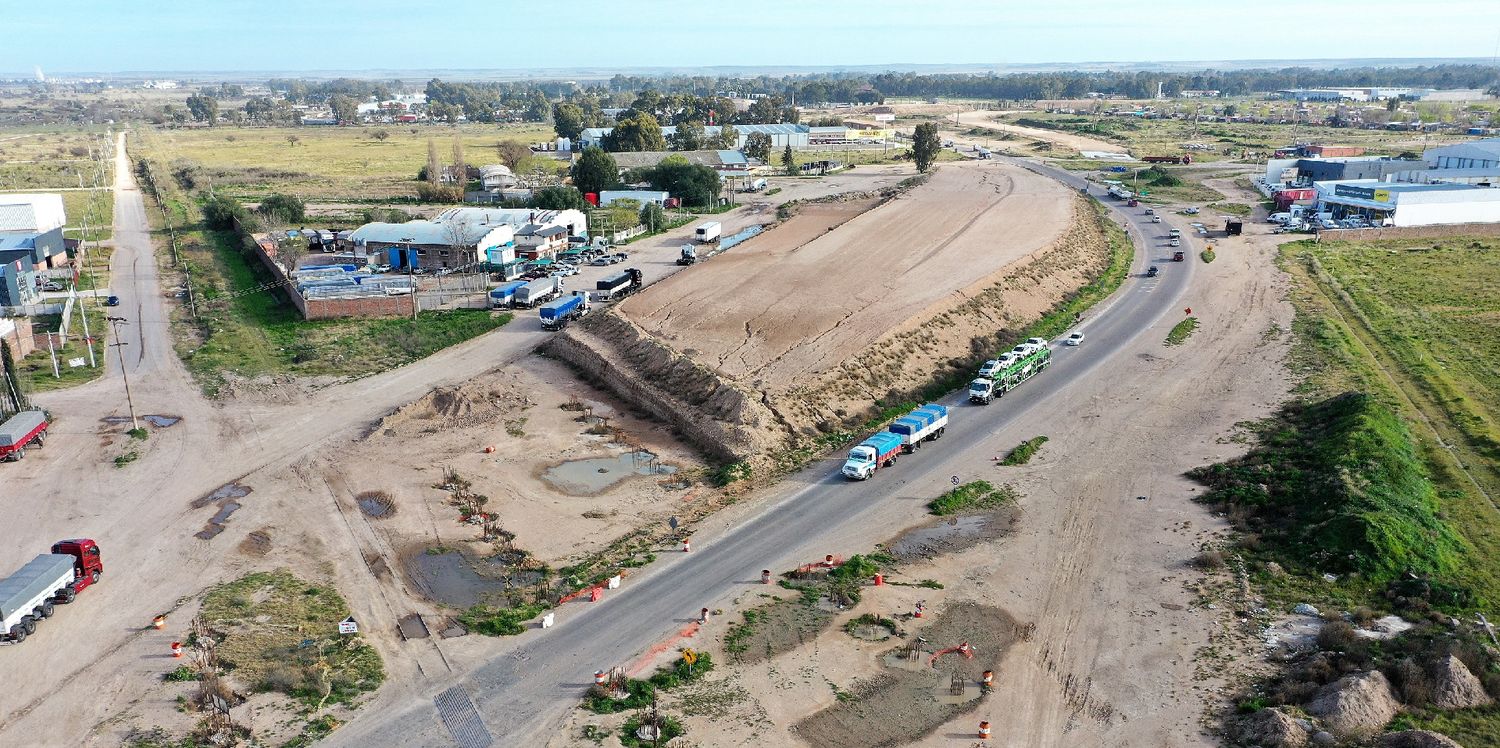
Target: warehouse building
(435, 244)
(1475, 154)
(1308, 170)
(37, 221)
(1409, 204)
(574, 221)
(782, 134)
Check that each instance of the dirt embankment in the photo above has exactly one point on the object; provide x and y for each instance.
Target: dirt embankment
(801, 332)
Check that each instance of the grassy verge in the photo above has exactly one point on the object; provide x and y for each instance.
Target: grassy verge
(1181, 331)
(492, 621)
(1023, 452)
(279, 633)
(640, 693)
(36, 368)
(973, 496)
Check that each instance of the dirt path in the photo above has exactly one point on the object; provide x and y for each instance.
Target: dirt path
(1076, 142)
(781, 308)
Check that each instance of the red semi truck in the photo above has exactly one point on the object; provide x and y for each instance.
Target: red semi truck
(28, 596)
(22, 429)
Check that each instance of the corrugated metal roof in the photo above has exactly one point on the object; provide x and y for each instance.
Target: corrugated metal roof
(17, 241)
(1488, 149)
(426, 232)
(40, 212)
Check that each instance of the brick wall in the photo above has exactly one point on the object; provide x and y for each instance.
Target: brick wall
(15, 334)
(374, 306)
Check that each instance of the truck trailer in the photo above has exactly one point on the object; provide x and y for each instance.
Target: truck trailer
(503, 295)
(708, 232)
(28, 596)
(27, 428)
(923, 424)
(556, 314)
(872, 454)
(618, 285)
(1020, 364)
(537, 292)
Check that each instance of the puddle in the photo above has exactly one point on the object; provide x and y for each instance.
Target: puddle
(942, 537)
(162, 422)
(220, 518)
(226, 491)
(740, 236)
(377, 504)
(591, 476)
(453, 580)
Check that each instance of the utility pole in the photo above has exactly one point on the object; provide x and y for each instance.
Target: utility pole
(411, 281)
(119, 345)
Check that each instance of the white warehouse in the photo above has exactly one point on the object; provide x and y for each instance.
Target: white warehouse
(1407, 204)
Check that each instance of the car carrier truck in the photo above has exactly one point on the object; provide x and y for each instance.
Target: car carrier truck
(1020, 364)
(28, 596)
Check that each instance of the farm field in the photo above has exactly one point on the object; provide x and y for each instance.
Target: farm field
(328, 163)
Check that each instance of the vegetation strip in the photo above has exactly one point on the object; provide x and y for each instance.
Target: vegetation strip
(1181, 331)
(1023, 453)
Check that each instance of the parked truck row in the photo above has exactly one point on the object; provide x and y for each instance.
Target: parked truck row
(905, 434)
(30, 595)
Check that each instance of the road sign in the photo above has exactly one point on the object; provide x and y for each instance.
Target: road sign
(689, 656)
(348, 626)
(75, 362)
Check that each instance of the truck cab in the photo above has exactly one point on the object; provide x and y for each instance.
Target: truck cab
(87, 563)
(872, 454)
(982, 390)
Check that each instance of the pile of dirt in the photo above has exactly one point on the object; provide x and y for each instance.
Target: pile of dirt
(1268, 728)
(1416, 739)
(478, 402)
(1355, 706)
(883, 711)
(780, 627)
(1454, 687)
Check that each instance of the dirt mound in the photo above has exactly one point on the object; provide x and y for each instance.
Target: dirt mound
(1416, 739)
(883, 711)
(477, 402)
(1355, 706)
(1269, 728)
(1454, 687)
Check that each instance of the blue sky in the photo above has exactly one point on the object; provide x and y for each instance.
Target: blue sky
(159, 35)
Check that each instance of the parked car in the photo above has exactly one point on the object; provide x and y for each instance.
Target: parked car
(1151, 211)
(620, 256)
(565, 270)
(1156, 219)
(1152, 271)
(53, 286)
(1074, 339)
(112, 301)
(600, 262)
(1191, 211)
(381, 268)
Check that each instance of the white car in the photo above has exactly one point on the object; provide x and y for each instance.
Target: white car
(565, 270)
(1037, 341)
(1175, 242)
(1074, 339)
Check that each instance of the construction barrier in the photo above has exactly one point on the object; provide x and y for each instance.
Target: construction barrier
(596, 594)
(703, 616)
(765, 576)
(176, 649)
(599, 679)
(159, 622)
(687, 545)
(879, 580)
(984, 731)
(988, 679)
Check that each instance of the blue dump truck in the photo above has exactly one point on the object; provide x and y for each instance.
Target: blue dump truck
(556, 314)
(501, 296)
(923, 424)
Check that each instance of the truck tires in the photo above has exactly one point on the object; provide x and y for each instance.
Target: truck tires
(18, 633)
(28, 624)
(67, 596)
(44, 610)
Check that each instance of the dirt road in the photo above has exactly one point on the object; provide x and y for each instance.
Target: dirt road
(782, 308)
(982, 119)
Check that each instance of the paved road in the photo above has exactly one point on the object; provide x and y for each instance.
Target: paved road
(522, 695)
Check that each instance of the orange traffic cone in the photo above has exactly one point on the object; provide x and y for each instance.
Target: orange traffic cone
(984, 731)
(988, 679)
(703, 616)
(598, 677)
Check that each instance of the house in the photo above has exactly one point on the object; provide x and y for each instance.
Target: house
(15, 334)
(437, 244)
(534, 242)
(18, 280)
(496, 177)
(36, 222)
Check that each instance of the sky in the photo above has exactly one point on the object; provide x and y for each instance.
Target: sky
(114, 36)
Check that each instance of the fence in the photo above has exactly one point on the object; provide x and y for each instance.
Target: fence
(1410, 232)
(148, 176)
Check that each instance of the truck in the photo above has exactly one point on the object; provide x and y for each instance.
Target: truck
(28, 596)
(1020, 364)
(874, 453)
(556, 314)
(687, 254)
(756, 185)
(1183, 159)
(20, 431)
(537, 292)
(504, 294)
(1234, 228)
(620, 284)
(923, 424)
(708, 232)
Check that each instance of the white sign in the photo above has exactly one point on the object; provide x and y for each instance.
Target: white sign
(885, 118)
(614, 582)
(548, 620)
(75, 362)
(348, 626)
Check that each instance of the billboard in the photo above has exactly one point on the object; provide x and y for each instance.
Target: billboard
(1362, 193)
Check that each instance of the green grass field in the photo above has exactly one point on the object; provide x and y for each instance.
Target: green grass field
(346, 164)
(36, 368)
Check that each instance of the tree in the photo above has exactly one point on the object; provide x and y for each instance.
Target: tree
(696, 184)
(560, 198)
(729, 138)
(758, 146)
(653, 217)
(283, 209)
(260, 108)
(345, 109)
(788, 161)
(460, 167)
(381, 134)
(293, 140)
(689, 136)
(203, 108)
(433, 171)
(568, 120)
(512, 153)
(443, 111)
(595, 171)
(635, 131)
(769, 110)
(925, 145)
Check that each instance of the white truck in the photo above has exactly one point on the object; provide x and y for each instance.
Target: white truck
(538, 291)
(708, 232)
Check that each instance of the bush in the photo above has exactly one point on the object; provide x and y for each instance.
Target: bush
(972, 496)
(437, 193)
(1209, 560)
(283, 209)
(493, 621)
(1023, 453)
(222, 213)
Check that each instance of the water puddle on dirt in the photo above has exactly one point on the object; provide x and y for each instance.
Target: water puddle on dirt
(453, 580)
(592, 476)
(162, 422)
(220, 518)
(740, 236)
(942, 537)
(376, 504)
(226, 491)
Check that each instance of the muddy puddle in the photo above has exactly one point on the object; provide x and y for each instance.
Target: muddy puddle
(452, 579)
(220, 518)
(951, 534)
(159, 421)
(739, 236)
(592, 476)
(376, 504)
(226, 491)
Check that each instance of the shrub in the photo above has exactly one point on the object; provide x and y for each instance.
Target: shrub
(1023, 453)
(284, 209)
(972, 496)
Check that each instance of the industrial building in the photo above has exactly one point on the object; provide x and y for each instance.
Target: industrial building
(1304, 171)
(782, 134)
(608, 197)
(435, 244)
(1475, 154)
(37, 222)
(1409, 204)
(574, 221)
(726, 163)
